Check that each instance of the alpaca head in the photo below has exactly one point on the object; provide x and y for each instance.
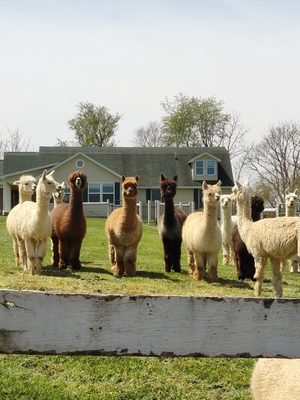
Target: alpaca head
(47, 185)
(77, 181)
(291, 198)
(211, 193)
(129, 185)
(26, 184)
(168, 187)
(226, 201)
(59, 195)
(242, 193)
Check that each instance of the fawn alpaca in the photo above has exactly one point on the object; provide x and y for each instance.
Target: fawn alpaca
(170, 225)
(69, 225)
(124, 230)
(290, 211)
(202, 235)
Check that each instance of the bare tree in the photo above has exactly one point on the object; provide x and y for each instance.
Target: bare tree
(275, 161)
(13, 141)
(148, 136)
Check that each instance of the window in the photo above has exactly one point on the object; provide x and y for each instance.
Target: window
(108, 192)
(205, 167)
(79, 163)
(100, 192)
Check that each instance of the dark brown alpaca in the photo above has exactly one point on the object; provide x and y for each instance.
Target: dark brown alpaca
(69, 225)
(170, 225)
(244, 261)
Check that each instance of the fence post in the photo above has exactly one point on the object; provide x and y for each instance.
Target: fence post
(157, 211)
(180, 204)
(192, 206)
(107, 208)
(149, 212)
(141, 210)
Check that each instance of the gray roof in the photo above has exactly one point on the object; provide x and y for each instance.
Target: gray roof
(147, 162)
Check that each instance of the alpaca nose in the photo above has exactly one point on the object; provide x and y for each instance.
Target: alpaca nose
(78, 181)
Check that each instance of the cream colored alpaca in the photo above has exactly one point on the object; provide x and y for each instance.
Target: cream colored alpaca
(58, 197)
(290, 211)
(27, 186)
(201, 235)
(275, 238)
(32, 225)
(276, 379)
(124, 230)
(226, 225)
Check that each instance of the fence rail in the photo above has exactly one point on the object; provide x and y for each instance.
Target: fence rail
(51, 323)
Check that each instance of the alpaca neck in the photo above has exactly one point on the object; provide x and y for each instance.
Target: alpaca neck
(75, 204)
(290, 211)
(128, 215)
(42, 202)
(169, 214)
(244, 220)
(210, 213)
(23, 196)
(226, 216)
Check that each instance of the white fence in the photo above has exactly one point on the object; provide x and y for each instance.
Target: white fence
(50, 323)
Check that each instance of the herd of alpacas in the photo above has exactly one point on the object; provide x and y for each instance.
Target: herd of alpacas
(246, 240)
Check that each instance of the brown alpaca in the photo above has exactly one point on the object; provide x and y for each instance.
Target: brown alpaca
(69, 225)
(170, 225)
(124, 230)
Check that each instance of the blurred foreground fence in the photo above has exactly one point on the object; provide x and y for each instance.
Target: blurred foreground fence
(50, 323)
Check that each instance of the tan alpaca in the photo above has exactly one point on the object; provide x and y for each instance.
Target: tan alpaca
(275, 238)
(290, 211)
(227, 224)
(201, 235)
(124, 230)
(276, 379)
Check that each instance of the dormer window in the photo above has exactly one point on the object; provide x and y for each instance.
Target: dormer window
(205, 167)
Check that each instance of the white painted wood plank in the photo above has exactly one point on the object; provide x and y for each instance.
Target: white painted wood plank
(49, 323)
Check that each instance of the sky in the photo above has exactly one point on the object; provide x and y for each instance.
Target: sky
(129, 56)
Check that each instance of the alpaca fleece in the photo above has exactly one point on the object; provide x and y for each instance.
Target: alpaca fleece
(201, 235)
(124, 230)
(69, 225)
(170, 225)
(227, 225)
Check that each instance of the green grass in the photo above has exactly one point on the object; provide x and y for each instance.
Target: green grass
(91, 377)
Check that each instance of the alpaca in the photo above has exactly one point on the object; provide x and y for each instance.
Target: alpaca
(290, 211)
(276, 379)
(124, 230)
(32, 225)
(69, 225)
(201, 235)
(243, 260)
(170, 225)
(58, 197)
(275, 238)
(27, 186)
(227, 225)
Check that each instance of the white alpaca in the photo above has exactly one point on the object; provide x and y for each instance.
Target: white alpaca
(32, 225)
(228, 222)
(58, 197)
(275, 238)
(27, 186)
(276, 379)
(290, 211)
(201, 235)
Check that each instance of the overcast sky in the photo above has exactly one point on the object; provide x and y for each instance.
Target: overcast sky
(129, 55)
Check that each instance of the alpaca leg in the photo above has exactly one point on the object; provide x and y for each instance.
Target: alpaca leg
(260, 263)
(54, 251)
(40, 255)
(191, 262)
(74, 257)
(213, 267)
(225, 254)
(118, 268)
(22, 254)
(176, 254)
(130, 261)
(30, 250)
(63, 254)
(168, 256)
(277, 277)
(293, 262)
(111, 254)
(16, 250)
(199, 271)
(236, 259)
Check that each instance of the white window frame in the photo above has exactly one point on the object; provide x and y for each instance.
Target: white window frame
(205, 168)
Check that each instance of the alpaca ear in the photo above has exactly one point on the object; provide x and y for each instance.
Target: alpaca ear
(162, 178)
(137, 178)
(16, 183)
(238, 185)
(175, 178)
(204, 185)
(44, 174)
(296, 192)
(219, 183)
(123, 178)
(51, 173)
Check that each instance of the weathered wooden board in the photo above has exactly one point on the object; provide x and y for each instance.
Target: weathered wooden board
(49, 323)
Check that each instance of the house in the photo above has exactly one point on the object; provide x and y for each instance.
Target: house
(105, 166)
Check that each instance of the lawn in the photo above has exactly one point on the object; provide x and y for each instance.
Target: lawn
(94, 377)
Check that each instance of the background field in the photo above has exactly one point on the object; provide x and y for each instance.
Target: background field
(55, 377)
